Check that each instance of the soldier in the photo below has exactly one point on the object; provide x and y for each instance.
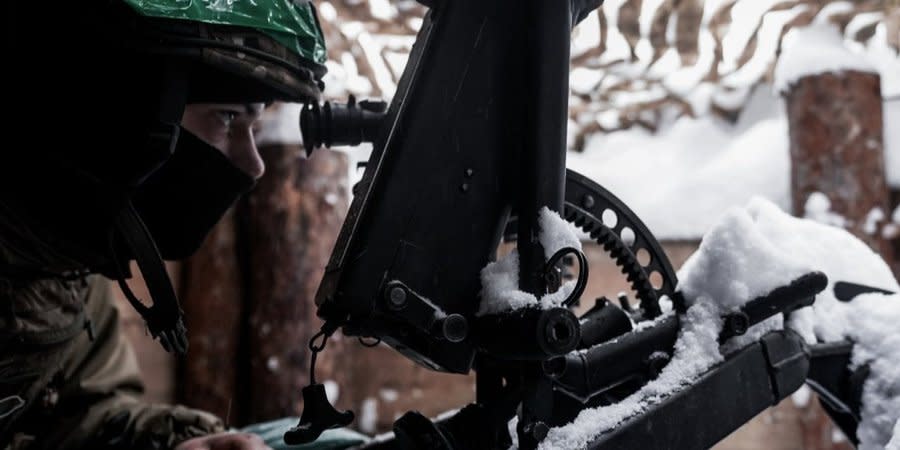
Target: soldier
(137, 117)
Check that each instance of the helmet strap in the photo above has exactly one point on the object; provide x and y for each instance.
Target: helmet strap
(162, 133)
(165, 319)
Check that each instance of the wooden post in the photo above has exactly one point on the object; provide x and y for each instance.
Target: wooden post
(837, 148)
(892, 23)
(292, 220)
(158, 367)
(212, 298)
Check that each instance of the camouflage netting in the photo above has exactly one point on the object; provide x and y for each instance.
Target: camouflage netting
(635, 62)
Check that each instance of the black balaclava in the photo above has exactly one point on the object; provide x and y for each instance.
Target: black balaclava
(186, 197)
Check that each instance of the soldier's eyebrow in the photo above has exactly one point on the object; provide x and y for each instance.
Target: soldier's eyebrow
(254, 109)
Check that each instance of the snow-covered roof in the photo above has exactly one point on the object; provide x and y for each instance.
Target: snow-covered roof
(682, 178)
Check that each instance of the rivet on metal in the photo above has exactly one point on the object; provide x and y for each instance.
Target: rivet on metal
(397, 297)
(587, 201)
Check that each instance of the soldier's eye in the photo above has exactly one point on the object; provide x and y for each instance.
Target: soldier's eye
(227, 115)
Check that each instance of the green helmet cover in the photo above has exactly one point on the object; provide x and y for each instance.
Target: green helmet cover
(291, 23)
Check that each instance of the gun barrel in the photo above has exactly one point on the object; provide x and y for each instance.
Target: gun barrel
(605, 366)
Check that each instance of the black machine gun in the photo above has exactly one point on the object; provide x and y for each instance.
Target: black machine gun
(468, 152)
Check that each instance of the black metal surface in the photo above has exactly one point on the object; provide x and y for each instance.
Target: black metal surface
(542, 174)
(799, 293)
(528, 333)
(364, 188)
(838, 387)
(586, 202)
(787, 356)
(604, 321)
(585, 374)
(440, 174)
(846, 291)
(477, 125)
(546, 29)
(719, 402)
(418, 312)
(696, 417)
(631, 360)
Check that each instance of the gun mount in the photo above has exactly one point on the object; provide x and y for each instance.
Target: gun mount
(470, 149)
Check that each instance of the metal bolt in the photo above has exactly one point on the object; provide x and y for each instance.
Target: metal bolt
(587, 201)
(469, 173)
(554, 367)
(455, 328)
(539, 430)
(560, 331)
(464, 187)
(656, 362)
(553, 279)
(738, 323)
(378, 106)
(397, 297)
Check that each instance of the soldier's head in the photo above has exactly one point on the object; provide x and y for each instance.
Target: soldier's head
(150, 102)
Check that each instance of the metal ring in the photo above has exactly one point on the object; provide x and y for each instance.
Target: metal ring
(312, 341)
(581, 282)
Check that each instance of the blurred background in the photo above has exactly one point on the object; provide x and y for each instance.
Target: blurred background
(682, 108)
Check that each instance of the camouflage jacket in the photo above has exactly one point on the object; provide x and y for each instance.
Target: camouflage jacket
(68, 377)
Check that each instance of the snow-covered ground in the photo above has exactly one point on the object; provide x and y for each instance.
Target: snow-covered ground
(895, 441)
(680, 179)
(747, 253)
(870, 320)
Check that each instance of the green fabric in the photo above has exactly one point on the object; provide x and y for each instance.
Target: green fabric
(293, 24)
(335, 439)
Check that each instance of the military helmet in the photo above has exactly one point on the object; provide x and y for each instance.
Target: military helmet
(239, 49)
(131, 66)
